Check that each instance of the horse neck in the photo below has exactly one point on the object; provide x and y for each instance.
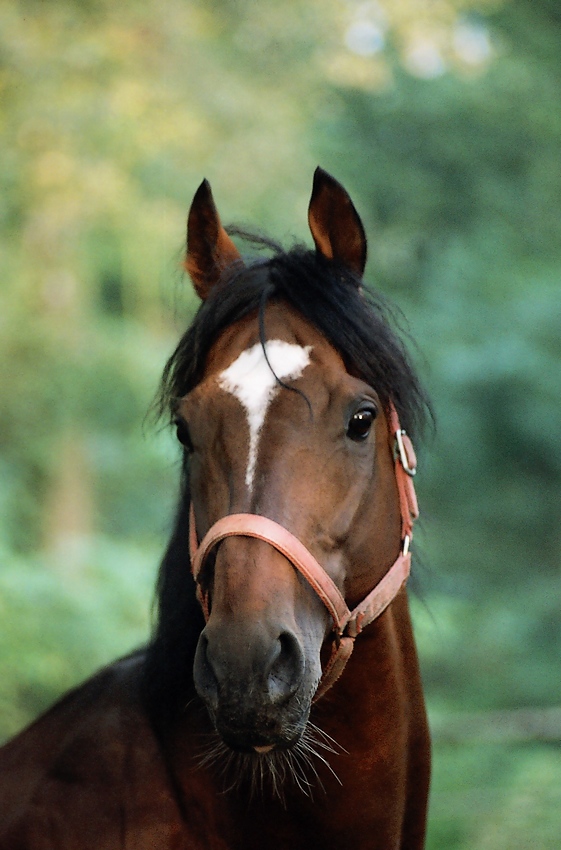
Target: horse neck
(168, 668)
(383, 669)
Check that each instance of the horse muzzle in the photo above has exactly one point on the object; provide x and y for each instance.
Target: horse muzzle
(253, 680)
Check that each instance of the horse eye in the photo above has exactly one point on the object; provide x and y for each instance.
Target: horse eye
(182, 433)
(360, 424)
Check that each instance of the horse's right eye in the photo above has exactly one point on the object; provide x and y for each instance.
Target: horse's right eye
(182, 433)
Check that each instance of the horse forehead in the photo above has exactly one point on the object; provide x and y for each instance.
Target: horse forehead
(280, 322)
(248, 367)
(254, 374)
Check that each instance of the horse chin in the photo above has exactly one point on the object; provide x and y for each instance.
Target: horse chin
(254, 765)
(252, 762)
(262, 732)
(244, 741)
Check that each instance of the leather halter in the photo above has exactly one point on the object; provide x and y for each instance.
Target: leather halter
(347, 624)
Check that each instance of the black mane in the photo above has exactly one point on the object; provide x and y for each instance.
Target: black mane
(358, 323)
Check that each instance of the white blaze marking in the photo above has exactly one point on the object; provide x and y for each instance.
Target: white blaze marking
(250, 379)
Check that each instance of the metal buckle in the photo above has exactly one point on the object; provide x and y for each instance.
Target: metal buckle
(406, 544)
(399, 451)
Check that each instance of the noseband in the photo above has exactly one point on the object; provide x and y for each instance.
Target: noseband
(347, 624)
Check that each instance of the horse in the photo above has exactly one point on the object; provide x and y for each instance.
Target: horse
(278, 702)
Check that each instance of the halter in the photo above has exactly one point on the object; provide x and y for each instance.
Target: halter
(347, 624)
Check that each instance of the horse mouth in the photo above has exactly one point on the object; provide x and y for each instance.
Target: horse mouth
(260, 735)
(268, 770)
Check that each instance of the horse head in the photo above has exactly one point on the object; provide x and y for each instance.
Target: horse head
(280, 425)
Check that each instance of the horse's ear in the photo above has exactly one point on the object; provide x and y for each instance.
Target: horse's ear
(335, 224)
(209, 248)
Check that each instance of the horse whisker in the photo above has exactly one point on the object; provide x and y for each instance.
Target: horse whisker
(327, 739)
(297, 773)
(273, 770)
(308, 748)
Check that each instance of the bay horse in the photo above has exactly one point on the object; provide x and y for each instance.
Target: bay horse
(279, 703)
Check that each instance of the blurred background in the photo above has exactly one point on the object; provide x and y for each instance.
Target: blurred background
(443, 120)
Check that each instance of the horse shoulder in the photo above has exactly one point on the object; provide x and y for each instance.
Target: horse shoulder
(89, 774)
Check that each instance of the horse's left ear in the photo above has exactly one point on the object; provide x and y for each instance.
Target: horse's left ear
(335, 224)
(209, 248)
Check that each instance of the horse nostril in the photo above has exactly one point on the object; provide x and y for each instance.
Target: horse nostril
(286, 668)
(204, 676)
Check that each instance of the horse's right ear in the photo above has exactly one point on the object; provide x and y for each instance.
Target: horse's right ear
(209, 248)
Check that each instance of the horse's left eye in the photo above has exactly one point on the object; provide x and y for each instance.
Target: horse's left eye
(360, 424)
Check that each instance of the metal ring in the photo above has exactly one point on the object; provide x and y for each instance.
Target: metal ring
(399, 450)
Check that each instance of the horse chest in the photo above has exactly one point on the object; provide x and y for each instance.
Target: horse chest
(360, 802)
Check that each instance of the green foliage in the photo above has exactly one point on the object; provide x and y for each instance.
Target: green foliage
(495, 798)
(63, 619)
